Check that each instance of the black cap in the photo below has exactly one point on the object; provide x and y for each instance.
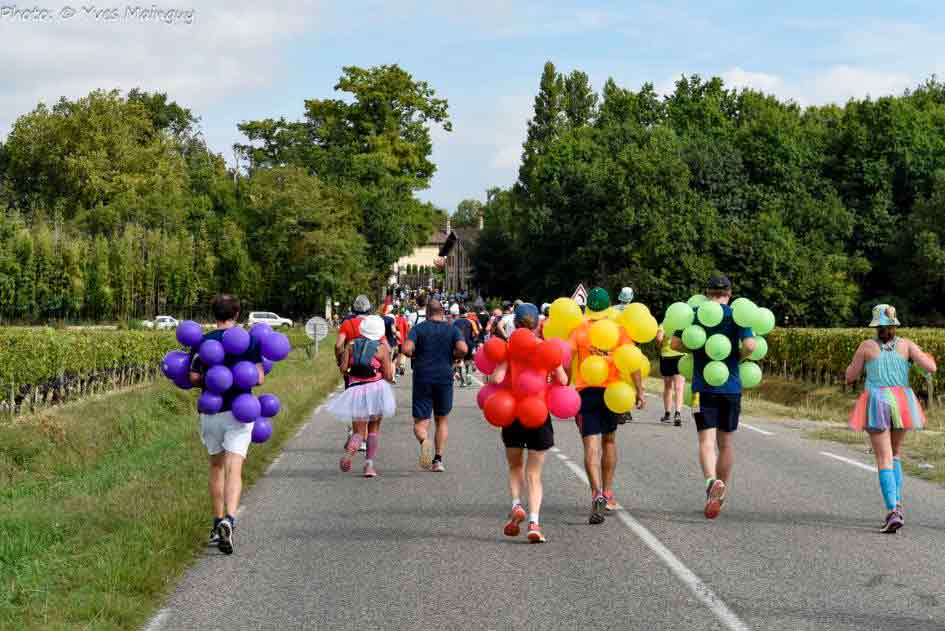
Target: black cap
(719, 281)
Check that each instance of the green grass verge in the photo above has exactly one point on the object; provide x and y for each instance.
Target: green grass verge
(790, 400)
(103, 503)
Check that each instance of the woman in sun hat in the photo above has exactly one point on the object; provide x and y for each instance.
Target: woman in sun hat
(369, 397)
(888, 406)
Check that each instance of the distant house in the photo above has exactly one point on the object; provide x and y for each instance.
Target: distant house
(416, 269)
(458, 252)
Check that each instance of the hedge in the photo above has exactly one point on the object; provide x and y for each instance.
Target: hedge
(44, 366)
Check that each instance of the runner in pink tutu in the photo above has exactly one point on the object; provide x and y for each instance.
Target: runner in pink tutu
(888, 407)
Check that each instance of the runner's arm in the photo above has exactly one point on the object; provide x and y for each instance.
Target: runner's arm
(641, 394)
(748, 347)
(387, 366)
(677, 345)
(499, 373)
(855, 369)
(920, 358)
(560, 376)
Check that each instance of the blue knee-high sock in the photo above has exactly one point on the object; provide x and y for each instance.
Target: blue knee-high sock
(897, 468)
(887, 483)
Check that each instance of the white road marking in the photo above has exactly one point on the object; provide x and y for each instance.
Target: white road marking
(849, 461)
(158, 620)
(700, 590)
(757, 429)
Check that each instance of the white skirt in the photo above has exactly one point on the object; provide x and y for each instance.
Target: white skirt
(364, 401)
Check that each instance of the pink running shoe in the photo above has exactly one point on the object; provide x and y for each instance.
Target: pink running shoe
(534, 533)
(370, 471)
(350, 449)
(611, 501)
(516, 517)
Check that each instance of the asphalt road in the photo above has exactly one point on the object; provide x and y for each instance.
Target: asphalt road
(796, 548)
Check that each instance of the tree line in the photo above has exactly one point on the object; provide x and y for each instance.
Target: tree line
(818, 212)
(114, 207)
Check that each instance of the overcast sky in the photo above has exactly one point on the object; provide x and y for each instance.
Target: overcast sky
(237, 60)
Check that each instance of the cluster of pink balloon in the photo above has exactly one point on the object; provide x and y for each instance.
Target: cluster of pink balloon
(525, 393)
(221, 376)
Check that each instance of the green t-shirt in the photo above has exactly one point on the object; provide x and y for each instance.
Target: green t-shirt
(666, 350)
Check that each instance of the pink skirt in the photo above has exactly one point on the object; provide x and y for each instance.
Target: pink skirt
(879, 409)
(364, 401)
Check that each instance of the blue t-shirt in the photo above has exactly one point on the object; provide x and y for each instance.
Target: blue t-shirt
(735, 334)
(465, 328)
(253, 354)
(433, 356)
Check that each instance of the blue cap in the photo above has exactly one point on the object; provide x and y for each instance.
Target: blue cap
(526, 309)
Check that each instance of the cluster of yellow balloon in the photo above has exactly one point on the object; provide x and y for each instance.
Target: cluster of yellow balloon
(605, 348)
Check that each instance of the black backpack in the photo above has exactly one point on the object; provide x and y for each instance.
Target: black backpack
(362, 353)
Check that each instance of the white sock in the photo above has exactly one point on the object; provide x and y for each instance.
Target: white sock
(516, 502)
(533, 518)
(368, 463)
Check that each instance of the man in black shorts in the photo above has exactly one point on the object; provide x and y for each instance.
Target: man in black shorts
(719, 406)
(598, 424)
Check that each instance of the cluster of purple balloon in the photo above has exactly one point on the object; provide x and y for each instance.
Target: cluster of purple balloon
(219, 378)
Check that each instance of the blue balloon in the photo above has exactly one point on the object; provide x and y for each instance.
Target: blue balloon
(189, 333)
(276, 347)
(262, 430)
(246, 408)
(267, 365)
(260, 330)
(212, 353)
(269, 404)
(245, 375)
(175, 364)
(236, 341)
(183, 382)
(209, 402)
(218, 379)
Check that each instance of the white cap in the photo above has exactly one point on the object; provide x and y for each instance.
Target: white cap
(372, 327)
(454, 309)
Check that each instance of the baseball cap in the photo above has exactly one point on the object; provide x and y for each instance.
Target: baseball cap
(372, 327)
(525, 310)
(719, 281)
(626, 295)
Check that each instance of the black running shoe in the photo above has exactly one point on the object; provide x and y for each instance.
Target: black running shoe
(214, 538)
(665, 419)
(598, 506)
(225, 532)
(677, 419)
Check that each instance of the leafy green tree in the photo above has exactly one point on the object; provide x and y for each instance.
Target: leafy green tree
(468, 213)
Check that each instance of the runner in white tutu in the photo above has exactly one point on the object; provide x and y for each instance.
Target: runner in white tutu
(368, 397)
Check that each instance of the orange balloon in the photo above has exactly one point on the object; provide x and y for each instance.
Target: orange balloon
(548, 356)
(532, 412)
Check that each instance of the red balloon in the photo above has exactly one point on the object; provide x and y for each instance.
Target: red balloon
(485, 365)
(530, 382)
(532, 412)
(496, 350)
(522, 344)
(500, 409)
(565, 349)
(564, 402)
(485, 392)
(549, 356)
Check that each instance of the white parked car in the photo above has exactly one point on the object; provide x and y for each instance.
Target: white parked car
(273, 320)
(161, 323)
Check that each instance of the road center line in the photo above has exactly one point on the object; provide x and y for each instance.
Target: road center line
(849, 461)
(700, 590)
(757, 429)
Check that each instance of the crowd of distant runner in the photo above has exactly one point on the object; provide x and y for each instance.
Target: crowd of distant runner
(437, 336)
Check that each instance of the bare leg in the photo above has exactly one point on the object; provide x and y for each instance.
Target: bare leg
(421, 428)
(726, 461)
(667, 394)
(442, 433)
(883, 449)
(592, 462)
(707, 455)
(217, 481)
(897, 438)
(516, 462)
(536, 461)
(609, 460)
(679, 383)
(234, 481)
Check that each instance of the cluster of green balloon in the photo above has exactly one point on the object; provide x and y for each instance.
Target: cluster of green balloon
(697, 315)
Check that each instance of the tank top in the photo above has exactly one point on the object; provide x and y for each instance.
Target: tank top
(355, 380)
(889, 370)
